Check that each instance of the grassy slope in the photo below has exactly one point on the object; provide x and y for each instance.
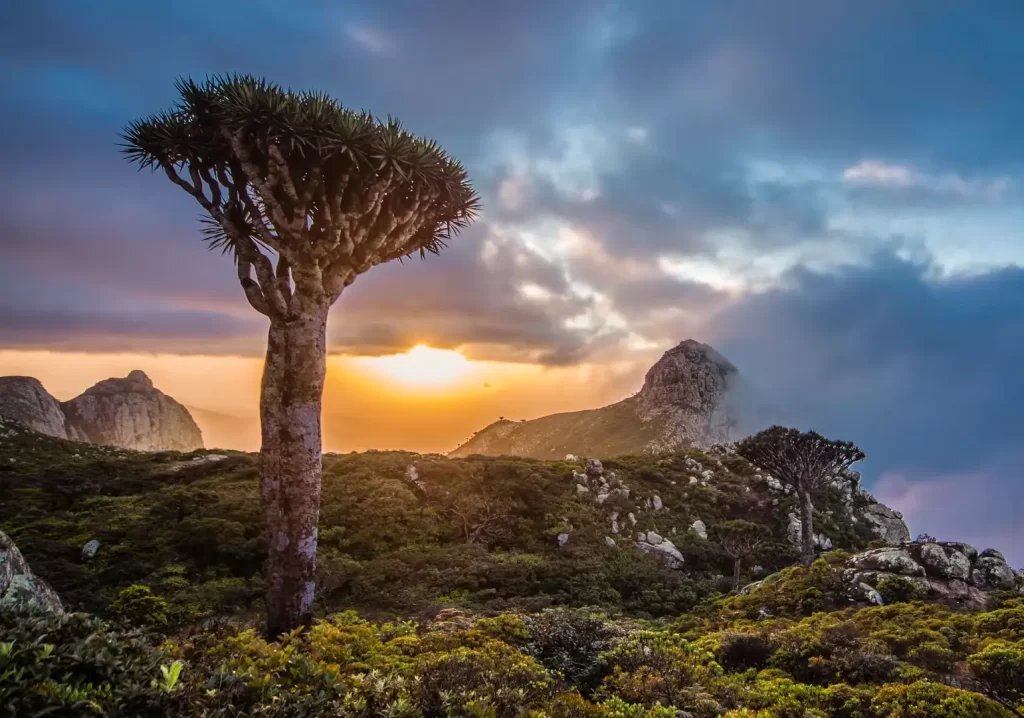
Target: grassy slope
(612, 430)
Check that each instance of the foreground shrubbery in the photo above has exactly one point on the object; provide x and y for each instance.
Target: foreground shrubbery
(898, 661)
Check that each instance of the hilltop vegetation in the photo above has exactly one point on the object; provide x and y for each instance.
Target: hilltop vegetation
(475, 587)
(399, 532)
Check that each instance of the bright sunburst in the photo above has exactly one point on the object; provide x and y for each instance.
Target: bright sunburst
(422, 367)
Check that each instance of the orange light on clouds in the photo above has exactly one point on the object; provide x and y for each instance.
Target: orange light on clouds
(421, 367)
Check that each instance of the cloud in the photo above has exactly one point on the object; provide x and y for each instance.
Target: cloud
(871, 173)
(369, 39)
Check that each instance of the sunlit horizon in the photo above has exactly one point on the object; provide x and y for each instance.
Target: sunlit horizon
(422, 399)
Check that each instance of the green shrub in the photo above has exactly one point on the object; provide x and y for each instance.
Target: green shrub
(899, 589)
(933, 700)
(138, 606)
(77, 665)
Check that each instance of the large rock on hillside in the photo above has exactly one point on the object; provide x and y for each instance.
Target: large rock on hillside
(132, 414)
(23, 399)
(947, 571)
(20, 589)
(685, 402)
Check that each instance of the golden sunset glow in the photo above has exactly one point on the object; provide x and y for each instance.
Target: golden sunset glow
(421, 367)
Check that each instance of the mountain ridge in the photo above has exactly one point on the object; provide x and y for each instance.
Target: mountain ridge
(688, 400)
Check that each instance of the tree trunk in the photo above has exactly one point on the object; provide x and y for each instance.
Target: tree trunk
(290, 463)
(736, 575)
(806, 528)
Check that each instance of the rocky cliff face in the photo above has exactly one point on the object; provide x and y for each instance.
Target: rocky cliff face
(685, 403)
(24, 399)
(132, 414)
(129, 413)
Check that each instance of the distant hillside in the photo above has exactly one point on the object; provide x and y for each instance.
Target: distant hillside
(687, 401)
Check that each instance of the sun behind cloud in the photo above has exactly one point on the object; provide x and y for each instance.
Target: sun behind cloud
(422, 367)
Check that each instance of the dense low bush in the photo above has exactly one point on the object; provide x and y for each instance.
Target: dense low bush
(855, 663)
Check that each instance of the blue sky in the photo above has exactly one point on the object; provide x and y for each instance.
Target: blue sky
(829, 192)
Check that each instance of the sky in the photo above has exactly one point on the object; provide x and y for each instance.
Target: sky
(827, 192)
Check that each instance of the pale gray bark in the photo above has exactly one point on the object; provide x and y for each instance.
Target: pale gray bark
(291, 460)
(806, 527)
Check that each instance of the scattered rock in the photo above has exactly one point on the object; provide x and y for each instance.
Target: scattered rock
(563, 539)
(656, 503)
(665, 550)
(871, 594)
(90, 549)
(653, 538)
(700, 529)
(581, 489)
(609, 541)
(594, 468)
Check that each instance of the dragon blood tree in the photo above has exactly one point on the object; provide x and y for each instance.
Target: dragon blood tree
(305, 195)
(805, 459)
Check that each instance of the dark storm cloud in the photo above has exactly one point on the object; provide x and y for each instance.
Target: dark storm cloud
(920, 370)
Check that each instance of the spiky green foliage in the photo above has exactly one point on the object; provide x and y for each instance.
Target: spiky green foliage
(330, 191)
(805, 459)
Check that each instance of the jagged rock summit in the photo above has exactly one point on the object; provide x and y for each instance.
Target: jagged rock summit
(133, 414)
(685, 402)
(129, 413)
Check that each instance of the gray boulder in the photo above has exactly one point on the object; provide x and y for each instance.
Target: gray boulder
(594, 468)
(665, 550)
(888, 560)
(699, 528)
(991, 572)
(886, 524)
(934, 559)
(90, 549)
(20, 589)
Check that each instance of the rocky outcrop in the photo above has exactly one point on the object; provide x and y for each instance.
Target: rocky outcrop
(887, 524)
(947, 571)
(20, 589)
(132, 414)
(23, 399)
(685, 402)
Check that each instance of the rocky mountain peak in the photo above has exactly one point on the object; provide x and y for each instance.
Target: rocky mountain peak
(24, 399)
(129, 413)
(686, 402)
(690, 386)
(691, 375)
(133, 414)
(138, 378)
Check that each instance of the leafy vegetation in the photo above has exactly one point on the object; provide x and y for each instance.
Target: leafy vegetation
(452, 597)
(476, 533)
